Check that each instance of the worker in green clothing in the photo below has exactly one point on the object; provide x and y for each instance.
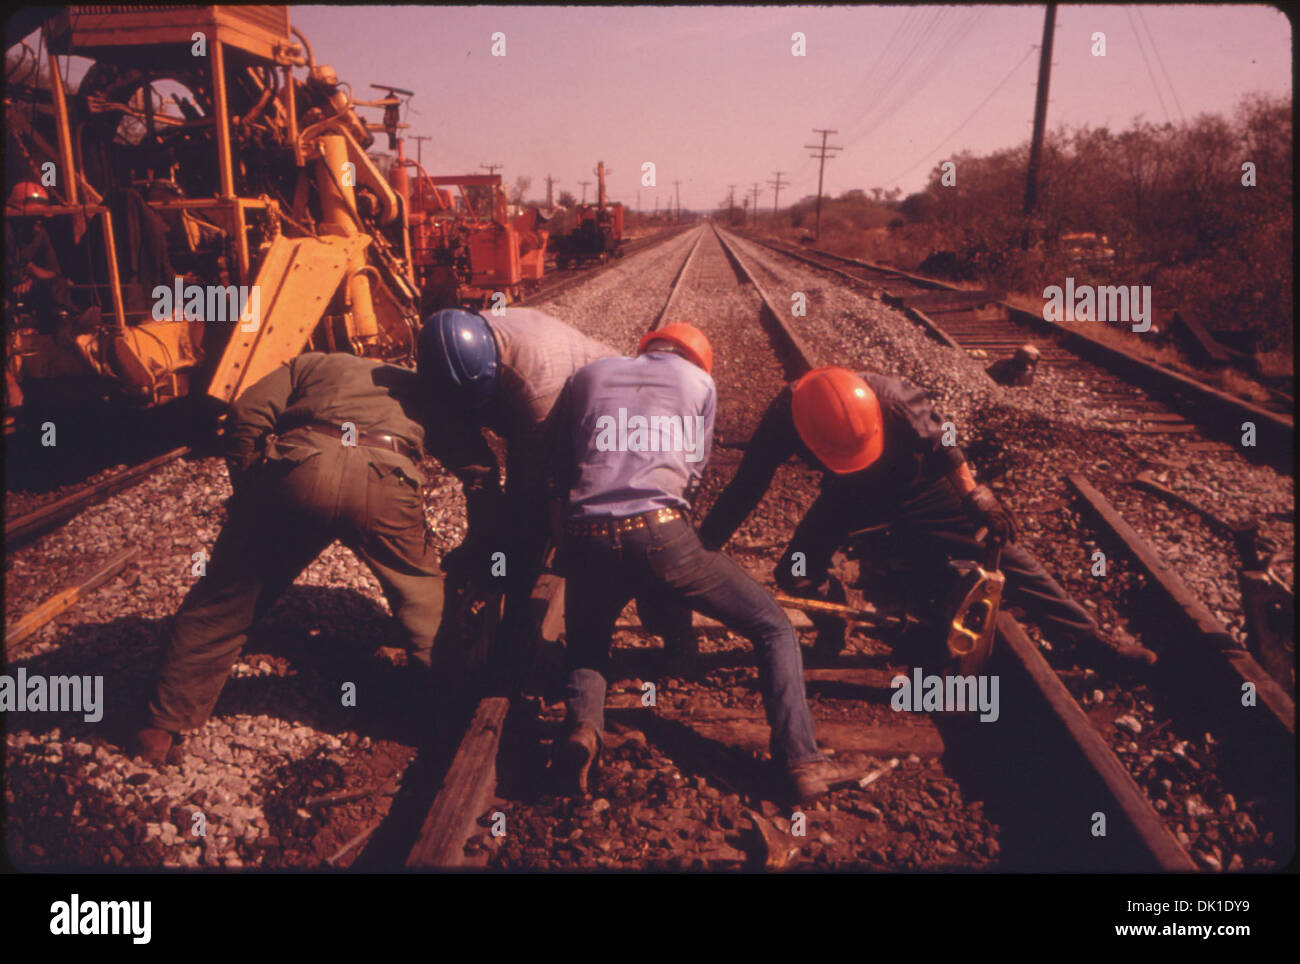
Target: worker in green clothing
(326, 447)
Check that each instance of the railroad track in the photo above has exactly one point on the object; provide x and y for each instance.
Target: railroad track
(1143, 397)
(22, 529)
(1203, 673)
(563, 279)
(1056, 772)
(1040, 773)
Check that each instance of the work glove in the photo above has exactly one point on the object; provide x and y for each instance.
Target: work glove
(985, 510)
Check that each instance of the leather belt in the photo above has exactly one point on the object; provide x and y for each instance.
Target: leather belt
(610, 527)
(381, 440)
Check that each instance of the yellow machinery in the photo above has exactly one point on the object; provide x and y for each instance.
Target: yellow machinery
(214, 212)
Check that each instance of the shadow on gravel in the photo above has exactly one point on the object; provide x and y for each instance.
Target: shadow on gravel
(90, 438)
(312, 642)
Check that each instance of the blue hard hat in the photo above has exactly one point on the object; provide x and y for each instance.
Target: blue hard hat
(458, 355)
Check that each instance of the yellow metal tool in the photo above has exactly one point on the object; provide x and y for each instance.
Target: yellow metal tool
(963, 631)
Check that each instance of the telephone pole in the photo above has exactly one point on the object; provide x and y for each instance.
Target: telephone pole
(419, 147)
(731, 202)
(678, 186)
(823, 153)
(1040, 121)
(585, 185)
(756, 202)
(492, 168)
(777, 186)
(550, 183)
(600, 170)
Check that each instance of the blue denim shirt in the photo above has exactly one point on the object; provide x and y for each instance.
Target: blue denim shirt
(636, 435)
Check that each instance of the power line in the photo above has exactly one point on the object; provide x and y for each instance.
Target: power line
(1147, 63)
(880, 58)
(492, 168)
(1161, 61)
(880, 98)
(886, 88)
(921, 77)
(907, 25)
(970, 117)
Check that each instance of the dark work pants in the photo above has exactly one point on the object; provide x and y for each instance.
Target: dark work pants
(665, 563)
(930, 523)
(526, 532)
(289, 510)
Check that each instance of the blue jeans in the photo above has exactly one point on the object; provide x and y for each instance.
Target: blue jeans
(665, 564)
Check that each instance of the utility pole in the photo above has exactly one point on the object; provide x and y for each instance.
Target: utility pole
(731, 201)
(756, 202)
(600, 170)
(492, 168)
(678, 186)
(550, 183)
(823, 153)
(638, 200)
(777, 186)
(1040, 122)
(585, 185)
(419, 148)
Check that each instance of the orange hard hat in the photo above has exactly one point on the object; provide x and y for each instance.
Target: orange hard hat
(688, 338)
(25, 191)
(838, 417)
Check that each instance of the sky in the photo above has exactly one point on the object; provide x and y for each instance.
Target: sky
(714, 96)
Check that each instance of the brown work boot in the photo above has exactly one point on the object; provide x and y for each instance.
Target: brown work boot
(152, 744)
(576, 755)
(816, 778)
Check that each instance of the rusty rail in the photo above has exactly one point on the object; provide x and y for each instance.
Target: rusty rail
(66, 598)
(1212, 650)
(27, 527)
(677, 284)
(804, 358)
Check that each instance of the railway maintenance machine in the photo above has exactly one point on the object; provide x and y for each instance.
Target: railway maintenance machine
(598, 230)
(191, 197)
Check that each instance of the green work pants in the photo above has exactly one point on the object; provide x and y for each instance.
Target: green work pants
(302, 496)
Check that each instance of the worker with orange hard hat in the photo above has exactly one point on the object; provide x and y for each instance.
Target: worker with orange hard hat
(886, 459)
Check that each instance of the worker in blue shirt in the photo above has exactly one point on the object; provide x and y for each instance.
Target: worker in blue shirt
(632, 445)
